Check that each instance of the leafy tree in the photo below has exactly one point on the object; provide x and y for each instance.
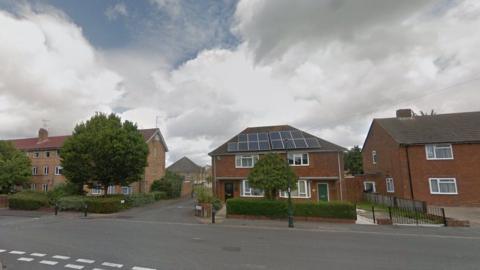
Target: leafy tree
(353, 160)
(272, 173)
(170, 183)
(104, 151)
(15, 167)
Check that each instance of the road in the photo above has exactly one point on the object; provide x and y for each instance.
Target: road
(166, 236)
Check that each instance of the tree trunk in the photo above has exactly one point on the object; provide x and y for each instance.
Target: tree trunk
(105, 188)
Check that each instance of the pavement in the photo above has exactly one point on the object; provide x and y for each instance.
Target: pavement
(471, 214)
(166, 235)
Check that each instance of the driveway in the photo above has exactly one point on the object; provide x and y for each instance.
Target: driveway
(465, 213)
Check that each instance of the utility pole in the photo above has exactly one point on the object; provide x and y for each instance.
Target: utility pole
(289, 191)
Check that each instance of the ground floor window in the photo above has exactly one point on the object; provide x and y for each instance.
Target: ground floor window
(443, 186)
(248, 191)
(369, 187)
(96, 191)
(302, 191)
(126, 190)
(45, 187)
(390, 185)
(33, 187)
(111, 189)
(58, 170)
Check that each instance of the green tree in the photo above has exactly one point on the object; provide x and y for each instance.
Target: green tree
(15, 167)
(353, 160)
(170, 183)
(104, 151)
(272, 173)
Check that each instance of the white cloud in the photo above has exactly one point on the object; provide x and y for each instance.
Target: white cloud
(115, 11)
(49, 71)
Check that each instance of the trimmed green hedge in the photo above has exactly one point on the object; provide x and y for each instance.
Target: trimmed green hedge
(160, 195)
(109, 204)
(28, 200)
(71, 203)
(279, 209)
(140, 199)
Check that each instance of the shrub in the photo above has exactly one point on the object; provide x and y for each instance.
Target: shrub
(204, 195)
(61, 190)
(140, 199)
(159, 195)
(279, 209)
(71, 203)
(274, 209)
(171, 184)
(217, 204)
(104, 204)
(341, 210)
(28, 200)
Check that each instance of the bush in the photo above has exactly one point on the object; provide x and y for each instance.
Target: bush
(159, 195)
(71, 203)
(273, 209)
(61, 190)
(28, 200)
(217, 204)
(279, 209)
(140, 199)
(110, 204)
(204, 195)
(171, 184)
(341, 210)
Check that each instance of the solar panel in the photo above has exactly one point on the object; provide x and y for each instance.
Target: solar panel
(242, 137)
(277, 144)
(275, 135)
(253, 146)
(312, 142)
(263, 136)
(289, 144)
(300, 143)
(286, 135)
(252, 137)
(264, 145)
(232, 146)
(242, 146)
(296, 134)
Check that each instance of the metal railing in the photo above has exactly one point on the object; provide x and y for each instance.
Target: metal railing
(392, 201)
(412, 216)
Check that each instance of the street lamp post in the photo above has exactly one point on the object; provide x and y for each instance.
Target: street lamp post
(289, 192)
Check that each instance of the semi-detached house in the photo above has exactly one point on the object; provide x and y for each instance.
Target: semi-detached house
(44, 153)
(317, 163)
(432, 158)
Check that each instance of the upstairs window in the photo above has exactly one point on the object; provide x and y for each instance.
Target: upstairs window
(374, 157)
(248, 191)
(439, 151)
(443, 186)
(298, 159)
(246, 161)
(36, 154)
(34, 170)
(47, 154)
(58, 170)
(45, 170)
(390, 185)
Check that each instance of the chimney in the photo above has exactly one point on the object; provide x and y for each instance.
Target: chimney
(405, 113)
(42, 135)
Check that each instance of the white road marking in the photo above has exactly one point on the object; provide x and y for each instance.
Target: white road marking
(2, 250)
(25, 259)
(74, 266)
(60, 257)
(85, 261)
(142, 268)
(98, 269)
(112, 264)
(38, 254)
(48, 262)
(17, 252)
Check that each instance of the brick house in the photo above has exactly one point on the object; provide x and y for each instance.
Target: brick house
(189, 170)
(43, 152)
(428, 158)
(317, 163)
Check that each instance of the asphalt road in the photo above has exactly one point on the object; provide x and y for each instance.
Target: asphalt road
(166, 236)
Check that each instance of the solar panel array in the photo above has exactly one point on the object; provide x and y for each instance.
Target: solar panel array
(274, 140)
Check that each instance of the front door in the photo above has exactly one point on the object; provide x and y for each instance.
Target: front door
(323, 192)
(228, 190)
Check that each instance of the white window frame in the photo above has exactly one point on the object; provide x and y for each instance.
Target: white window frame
(36, 154)
(45, 187)
(96, 191)
(434, 148)
(370, 182)
(390, 185)
(33, 186)
(248, 192)
(306, 195)
(298, 155)
(127, 190)
(46, 170)
(439, 180)
(240, 158)
(374, 157)
(111, 189)
(34, 170)
(58, 170)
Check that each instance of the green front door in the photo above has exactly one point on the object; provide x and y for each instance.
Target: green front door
(323, 192)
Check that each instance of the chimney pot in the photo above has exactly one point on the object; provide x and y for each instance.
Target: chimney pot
(42, 135)
(405, 113)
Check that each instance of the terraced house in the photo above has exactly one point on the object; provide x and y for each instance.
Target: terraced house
(44, 153)
(317, 163)
(432, 158)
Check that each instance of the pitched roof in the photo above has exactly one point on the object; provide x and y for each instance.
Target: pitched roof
(56, 142)
(324, 145)
(441, 128)
(185, 165)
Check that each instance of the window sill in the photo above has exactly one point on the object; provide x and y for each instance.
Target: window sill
(390, 191)
(303, 165)
(444, 193)
(252, 196)
(296, 197)
(440, 158)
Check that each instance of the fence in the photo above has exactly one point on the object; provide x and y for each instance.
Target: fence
(392, 201)
(405, 215)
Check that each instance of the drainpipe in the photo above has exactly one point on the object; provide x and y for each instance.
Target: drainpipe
(340, 176)
(214, 175)
(409, 174)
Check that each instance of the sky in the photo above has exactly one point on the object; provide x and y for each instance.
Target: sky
(204, 70)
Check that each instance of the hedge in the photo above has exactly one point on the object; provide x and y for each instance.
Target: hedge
(160, 195)
(28, 200)
(109, 204)
(279, 209)
(71, 203)
(140, 199)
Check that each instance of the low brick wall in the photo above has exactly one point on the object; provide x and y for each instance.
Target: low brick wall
(457, 223)
(296, 218)
(3, 202)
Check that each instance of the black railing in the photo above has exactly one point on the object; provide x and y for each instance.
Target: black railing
(392, 201)
(412, 215)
